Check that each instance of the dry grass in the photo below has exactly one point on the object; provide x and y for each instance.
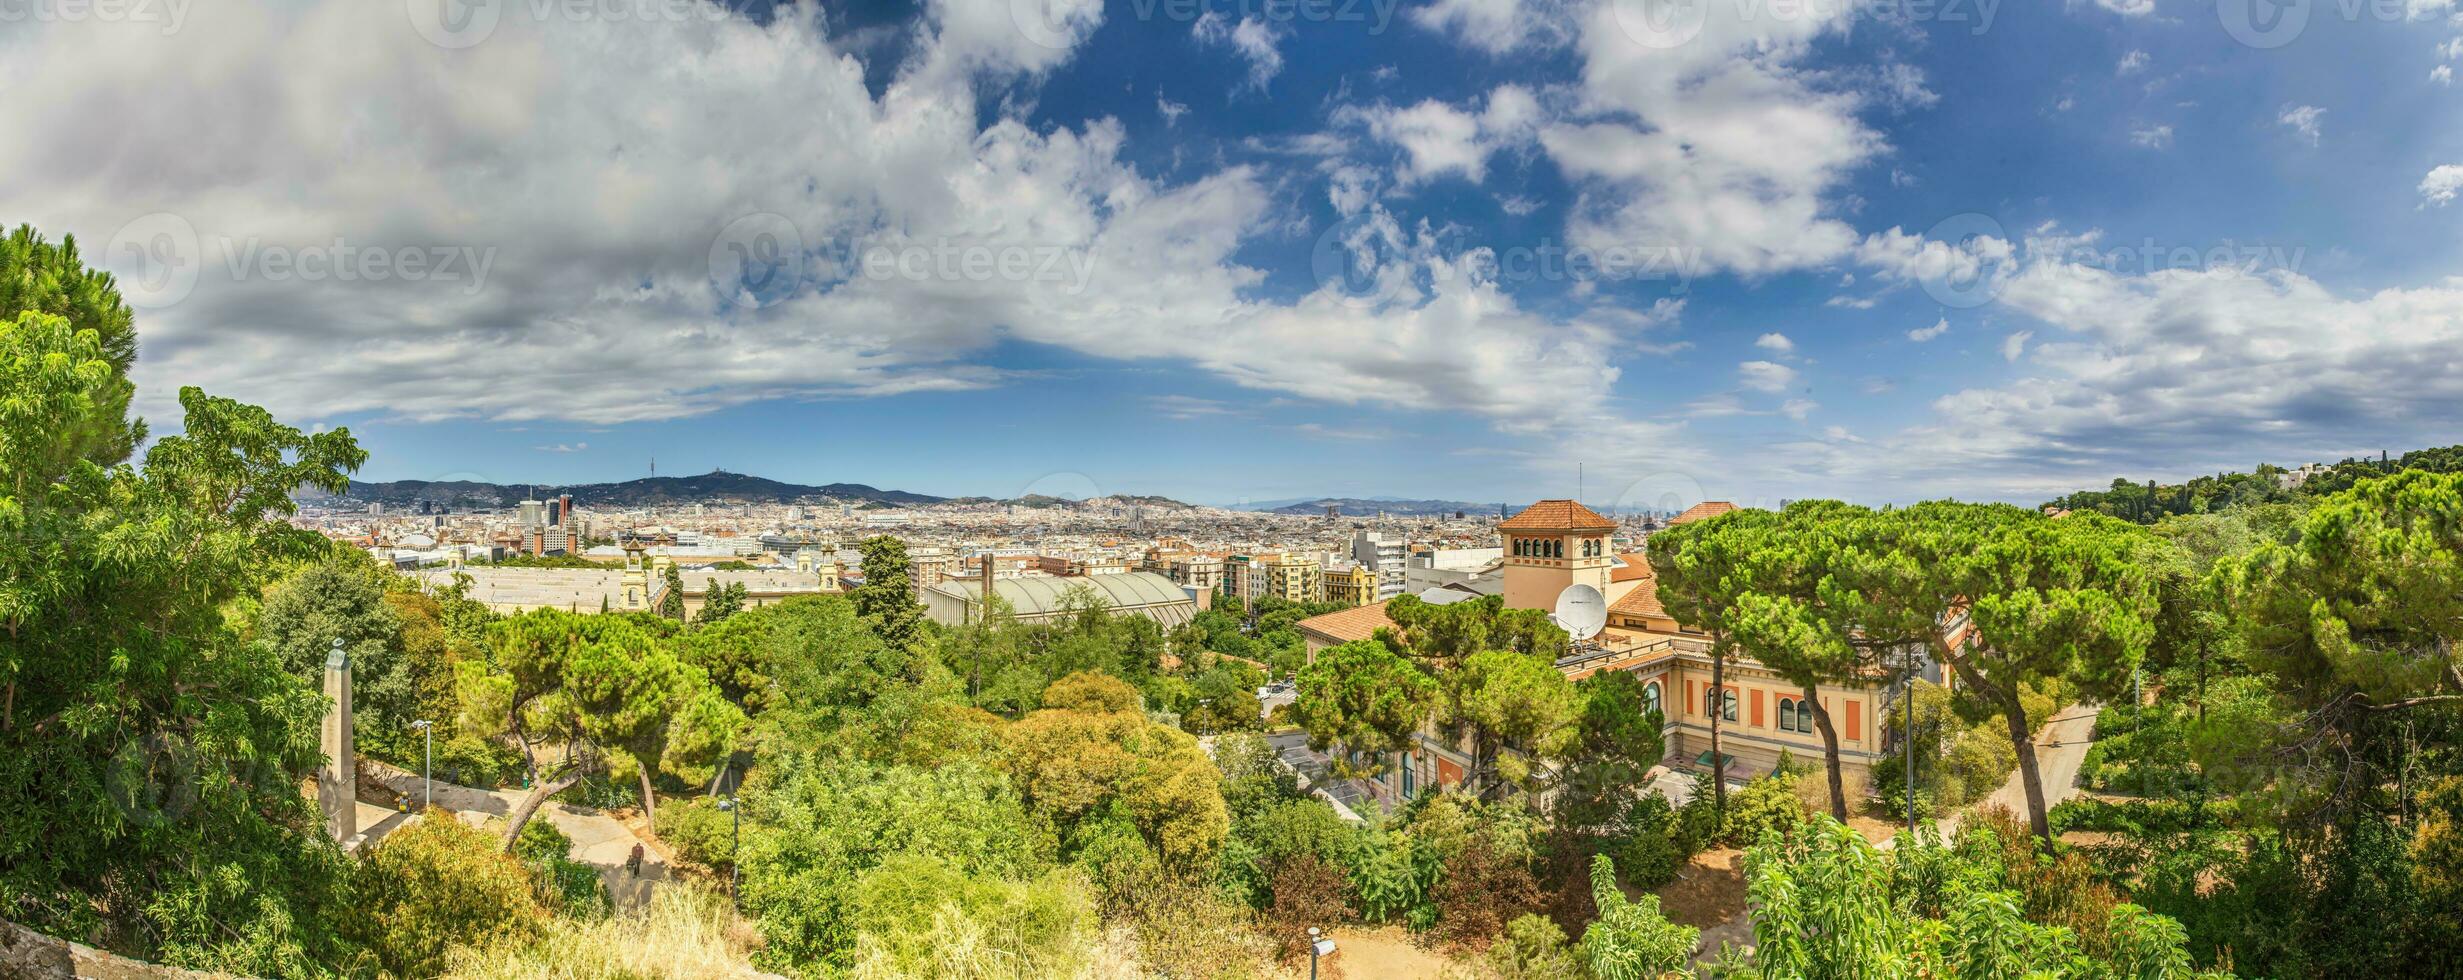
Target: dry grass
(683, 934)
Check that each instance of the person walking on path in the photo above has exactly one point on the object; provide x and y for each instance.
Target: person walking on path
(632, 865)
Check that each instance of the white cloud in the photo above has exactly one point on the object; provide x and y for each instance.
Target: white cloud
(602, 202)
(1253, 37)
(2442, 74)
(1765, 376)
(1438, 139)
(563, 447)
(2132, 63)
(2151, 137)
(1922, 334)
(2128, 8)
(2304, 121)
(2441, 185)
(1775, 342)
(1170, 111)
(1716, 140)
(1798, 408)
(2014, 346)
(1494, 26)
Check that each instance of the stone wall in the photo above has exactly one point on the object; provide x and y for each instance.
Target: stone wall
(29, 955)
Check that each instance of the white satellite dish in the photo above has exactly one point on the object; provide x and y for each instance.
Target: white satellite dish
(1581, 611)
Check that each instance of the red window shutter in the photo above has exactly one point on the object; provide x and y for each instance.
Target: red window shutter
(1693, 701)
(1855, 720)
(1757, 709)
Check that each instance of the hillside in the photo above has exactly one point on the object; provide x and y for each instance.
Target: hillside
(2151, 501)
(1372, 506)
(714, 486)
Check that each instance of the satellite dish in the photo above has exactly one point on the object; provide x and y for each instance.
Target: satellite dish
(1581, 611)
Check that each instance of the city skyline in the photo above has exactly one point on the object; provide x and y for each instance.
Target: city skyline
(1218, 252)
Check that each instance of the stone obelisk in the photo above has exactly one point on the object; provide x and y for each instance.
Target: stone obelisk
(337, 782)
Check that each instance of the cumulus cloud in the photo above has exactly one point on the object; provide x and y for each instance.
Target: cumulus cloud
(2173, 370)
(1776, 343)
(1437, 139)
(2131, 63)
(1717, 140)
(1922, 334)
(1765, 376)
(2441, 185)
(897, 236)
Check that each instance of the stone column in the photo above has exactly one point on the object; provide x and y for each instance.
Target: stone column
(337, 782)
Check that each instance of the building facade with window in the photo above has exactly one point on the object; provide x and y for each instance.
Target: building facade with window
(1554, 544)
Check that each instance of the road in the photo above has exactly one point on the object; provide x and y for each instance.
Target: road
(1316, 773)
(2059, 749)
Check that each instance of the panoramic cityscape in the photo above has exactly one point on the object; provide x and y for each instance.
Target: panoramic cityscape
(1231, 489)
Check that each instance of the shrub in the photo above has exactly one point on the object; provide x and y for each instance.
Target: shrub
(1308, 893)
(919, 915)
(1533, 948)
(1631, 940)
(1391, 874)
(561, 883)
(1765, 805)
(683, 934)
(698, 831)
(1484, 888)
(436, 884)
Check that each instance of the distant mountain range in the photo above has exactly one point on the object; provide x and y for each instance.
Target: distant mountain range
(715, 486)
(1368, 506)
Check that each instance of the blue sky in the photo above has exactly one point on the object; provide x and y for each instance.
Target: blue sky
(1872, 250)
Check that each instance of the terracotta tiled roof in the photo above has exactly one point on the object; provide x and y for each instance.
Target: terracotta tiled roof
(1346, 625)
(1642, 599)
(1707, 508)
(1554, 515)
(1637, 565)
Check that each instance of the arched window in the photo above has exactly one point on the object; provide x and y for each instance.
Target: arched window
(1787, 714)
(1650, 697)
(1804, 716)
(1556, 549)
(1723, 702)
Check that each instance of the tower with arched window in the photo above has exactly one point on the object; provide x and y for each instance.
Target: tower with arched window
(1550, 545)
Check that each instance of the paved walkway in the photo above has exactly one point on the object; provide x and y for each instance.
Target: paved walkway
(599, 840)
(2059, 749)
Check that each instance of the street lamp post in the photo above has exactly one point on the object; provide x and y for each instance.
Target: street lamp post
(1318, 946)
(427, 768)
(735, 856)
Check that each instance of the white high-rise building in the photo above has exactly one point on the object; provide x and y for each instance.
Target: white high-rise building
(1382, 554)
